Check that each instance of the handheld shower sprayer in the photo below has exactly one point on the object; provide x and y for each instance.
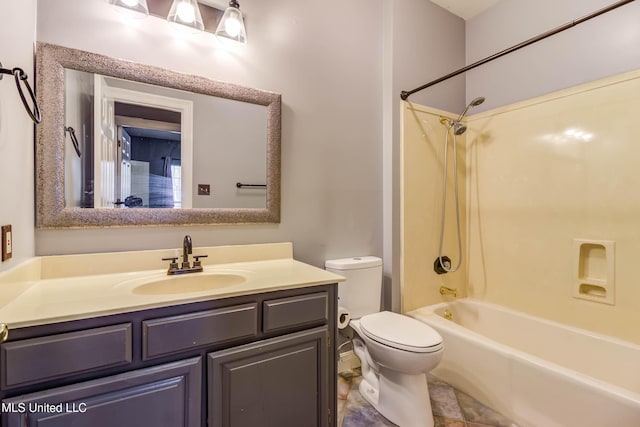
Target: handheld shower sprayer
(442, 263)
(456, 125)
(474, 103)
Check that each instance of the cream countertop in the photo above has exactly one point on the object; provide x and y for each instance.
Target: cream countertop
(61, 288)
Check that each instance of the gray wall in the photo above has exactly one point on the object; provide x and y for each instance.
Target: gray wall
(331, 126)
(230, 149)
(606, 45)
(17, 34)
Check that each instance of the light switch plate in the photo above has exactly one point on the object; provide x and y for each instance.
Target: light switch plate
(7, 242)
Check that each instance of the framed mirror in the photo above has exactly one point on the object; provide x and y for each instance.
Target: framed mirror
(125, 144)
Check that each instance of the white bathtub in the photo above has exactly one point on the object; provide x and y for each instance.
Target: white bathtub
(537, 372)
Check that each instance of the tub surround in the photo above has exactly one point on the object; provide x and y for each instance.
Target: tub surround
(540, 175)
(423, 138)
(543, 174)
(61, 288)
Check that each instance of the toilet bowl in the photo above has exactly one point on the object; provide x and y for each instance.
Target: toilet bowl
(395, 353)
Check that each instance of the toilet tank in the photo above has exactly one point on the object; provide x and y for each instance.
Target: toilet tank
(361, 292)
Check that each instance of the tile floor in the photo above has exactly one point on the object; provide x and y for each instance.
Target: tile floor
(451, 407)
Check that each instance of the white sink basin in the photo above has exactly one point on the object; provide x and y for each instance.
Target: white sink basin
(188, 283)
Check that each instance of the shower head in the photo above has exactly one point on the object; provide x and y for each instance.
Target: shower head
(456, 125)
(477, 101)
(458, 128)
(474, 103)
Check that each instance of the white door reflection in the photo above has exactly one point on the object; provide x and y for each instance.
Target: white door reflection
(143, 138)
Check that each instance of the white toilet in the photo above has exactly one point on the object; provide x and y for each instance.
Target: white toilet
(395, 351)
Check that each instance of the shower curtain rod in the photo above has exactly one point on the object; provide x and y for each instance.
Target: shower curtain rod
(405, 94)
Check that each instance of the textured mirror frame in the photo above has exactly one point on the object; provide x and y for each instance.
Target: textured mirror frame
(51, 212)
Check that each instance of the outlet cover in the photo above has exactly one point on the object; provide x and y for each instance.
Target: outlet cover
(204, 190)
(7, 242)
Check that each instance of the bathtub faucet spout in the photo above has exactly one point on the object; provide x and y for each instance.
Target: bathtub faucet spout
(448, 291)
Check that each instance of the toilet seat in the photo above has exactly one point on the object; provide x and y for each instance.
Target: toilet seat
(401, 332)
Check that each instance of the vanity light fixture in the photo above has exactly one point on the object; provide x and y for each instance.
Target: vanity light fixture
(138, 8)
(186, 14)
(191, 16)
(231, 25)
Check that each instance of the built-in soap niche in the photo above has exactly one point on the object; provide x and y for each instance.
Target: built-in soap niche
(594, 270)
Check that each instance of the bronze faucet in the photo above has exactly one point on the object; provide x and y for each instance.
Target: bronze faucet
(187, 249)
(185, 267)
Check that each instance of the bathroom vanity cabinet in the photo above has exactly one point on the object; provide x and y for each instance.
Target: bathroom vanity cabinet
(266, 359)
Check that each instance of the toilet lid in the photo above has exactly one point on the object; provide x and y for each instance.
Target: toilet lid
(401, 332)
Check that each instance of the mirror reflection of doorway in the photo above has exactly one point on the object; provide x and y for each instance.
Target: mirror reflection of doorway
(120, 179)
(149, 171)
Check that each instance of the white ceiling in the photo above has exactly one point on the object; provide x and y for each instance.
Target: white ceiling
(466, 9)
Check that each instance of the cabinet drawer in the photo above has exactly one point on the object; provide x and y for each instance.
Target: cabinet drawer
(301, 310)
(47, 358)
(174, 334)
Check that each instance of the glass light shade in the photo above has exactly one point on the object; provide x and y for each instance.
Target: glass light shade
(185, 14)
(135, 8)
(231, 24)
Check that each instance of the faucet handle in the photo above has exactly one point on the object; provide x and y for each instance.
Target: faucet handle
(174, 262)
(197, 262)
